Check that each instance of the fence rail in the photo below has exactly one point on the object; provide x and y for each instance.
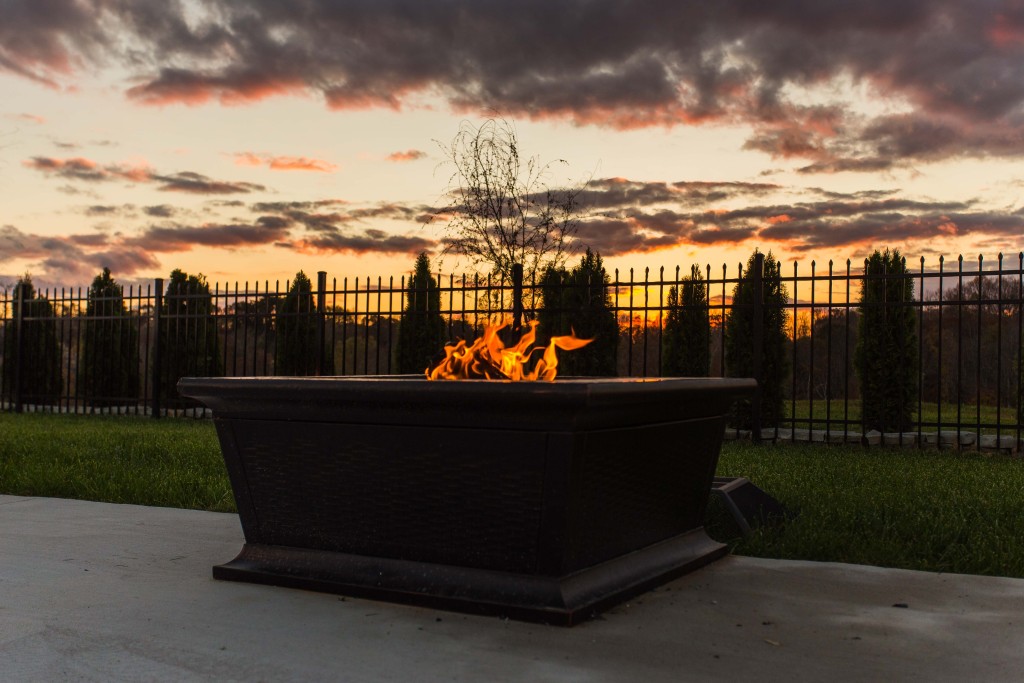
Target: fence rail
(60, 348)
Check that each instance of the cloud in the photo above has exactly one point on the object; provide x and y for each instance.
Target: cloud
(640, 217)
(248, 159)
(284, 163)
(76, 168)
(309, 214)
(408, 155)
(301, 164)
(606, 193)
(159, 211)
(279, 207)
(98, 210)
(197, 183)
(238, 86)
(784, 69)
(82, 169)
(369, 241)
(616, 237)
(315, 226)
(28, 118)
(621, 216)
(71, 259)
(266, 230)
(94, 239)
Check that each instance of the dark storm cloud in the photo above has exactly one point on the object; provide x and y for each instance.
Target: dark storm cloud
(958, 67)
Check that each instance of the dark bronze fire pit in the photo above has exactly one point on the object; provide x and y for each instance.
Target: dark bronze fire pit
(545, 501)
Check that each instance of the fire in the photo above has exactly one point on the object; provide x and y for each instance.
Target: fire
(488, 358)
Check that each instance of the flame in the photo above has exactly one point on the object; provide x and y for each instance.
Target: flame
(488, 358)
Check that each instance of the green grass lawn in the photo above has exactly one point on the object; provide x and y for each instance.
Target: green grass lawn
(929, 510)
(115, 459)
(1006, 416)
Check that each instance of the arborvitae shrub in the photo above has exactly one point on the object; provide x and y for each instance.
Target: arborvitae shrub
(298, 333)
(421, 332)
(886, 353)
(578, 301)
(108, 363)
(38, 369)
(739, 341)
(190, 345)
(686, 340)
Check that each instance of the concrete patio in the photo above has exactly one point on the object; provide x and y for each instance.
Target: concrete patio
(101, 592)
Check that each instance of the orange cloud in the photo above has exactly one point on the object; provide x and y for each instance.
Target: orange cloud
(175, 86)
(86, 169)
(408, 155)
(301, 164)
(340, 99)
(135, 174)
(31, 118)
(77, 168)
(1004, 33)
(284, 163)
(624, 118)
(248, 159)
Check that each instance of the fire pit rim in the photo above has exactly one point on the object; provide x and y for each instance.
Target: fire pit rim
(535, 406)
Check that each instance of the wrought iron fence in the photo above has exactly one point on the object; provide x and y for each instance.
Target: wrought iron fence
(59, 347)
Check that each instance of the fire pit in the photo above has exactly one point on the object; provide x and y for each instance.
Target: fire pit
(545, 501)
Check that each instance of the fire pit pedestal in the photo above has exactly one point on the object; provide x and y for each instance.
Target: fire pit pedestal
(539, 501)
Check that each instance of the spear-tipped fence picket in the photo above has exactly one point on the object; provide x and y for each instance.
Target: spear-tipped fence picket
(969, 336)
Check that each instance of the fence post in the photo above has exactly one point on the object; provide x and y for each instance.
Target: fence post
(19, 344)
(517, 297)
(156, 370)
(321, 304)
(758, 345)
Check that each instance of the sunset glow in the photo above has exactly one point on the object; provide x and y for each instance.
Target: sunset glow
(249, 141)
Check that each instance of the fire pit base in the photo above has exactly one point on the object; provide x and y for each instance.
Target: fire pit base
(563, 601)
(541, 501)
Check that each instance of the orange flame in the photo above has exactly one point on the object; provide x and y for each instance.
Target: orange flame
(488, 358)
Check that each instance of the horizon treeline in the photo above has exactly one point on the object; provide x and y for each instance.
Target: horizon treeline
(103, 350)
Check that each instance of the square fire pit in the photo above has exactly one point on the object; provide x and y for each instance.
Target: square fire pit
(545, 501)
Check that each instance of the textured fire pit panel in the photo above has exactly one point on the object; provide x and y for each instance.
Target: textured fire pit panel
(542, 501)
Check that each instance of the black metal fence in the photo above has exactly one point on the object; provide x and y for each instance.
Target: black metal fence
(58, 346)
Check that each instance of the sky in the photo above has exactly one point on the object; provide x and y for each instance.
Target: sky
(249, 140)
